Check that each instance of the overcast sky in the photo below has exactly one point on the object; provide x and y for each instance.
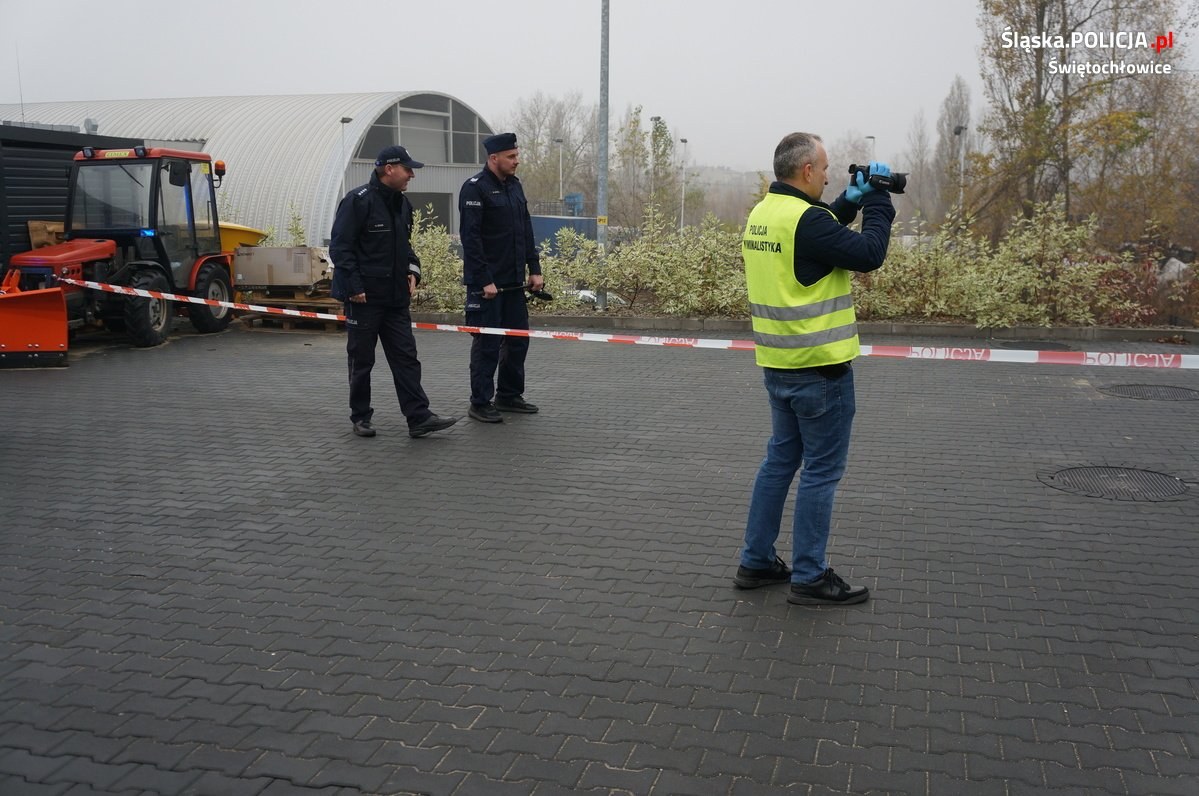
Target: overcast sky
(731, 77)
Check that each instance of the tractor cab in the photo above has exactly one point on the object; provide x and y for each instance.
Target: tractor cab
(143, 218)
(156, 205)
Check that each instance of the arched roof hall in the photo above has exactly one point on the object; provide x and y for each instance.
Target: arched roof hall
(287, 155)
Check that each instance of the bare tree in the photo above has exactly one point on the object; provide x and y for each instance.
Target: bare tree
(645, 177)
(555, 132)
(1141, 135)
(1055, 128)
(953, 143)
(628, 185)
(923, 185)
(664, 177)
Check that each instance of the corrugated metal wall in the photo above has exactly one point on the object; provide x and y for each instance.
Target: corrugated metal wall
(35, 189)
(34, 180)
(286, 154)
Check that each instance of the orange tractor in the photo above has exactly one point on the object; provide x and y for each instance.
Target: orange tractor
(142, 218)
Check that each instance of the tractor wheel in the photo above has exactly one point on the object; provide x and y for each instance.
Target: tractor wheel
(148, 321)
(212, 283)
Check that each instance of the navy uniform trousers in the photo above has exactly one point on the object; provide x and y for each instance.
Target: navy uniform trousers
(510, 311)
(366, 325)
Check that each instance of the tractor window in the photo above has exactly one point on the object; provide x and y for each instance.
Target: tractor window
(112, 196)
(204, 206)
(174, 227)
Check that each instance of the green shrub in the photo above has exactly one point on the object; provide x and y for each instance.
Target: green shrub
(700, 272)
(441, 288)
(1045, 271)
(575, 264)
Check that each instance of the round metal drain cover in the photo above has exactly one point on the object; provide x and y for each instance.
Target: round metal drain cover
(1032, 345)
(1151, 392)
(1118, 483)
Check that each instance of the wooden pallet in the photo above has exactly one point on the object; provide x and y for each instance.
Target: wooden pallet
(290, 322)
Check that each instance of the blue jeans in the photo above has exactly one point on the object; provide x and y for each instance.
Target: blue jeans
(811, 416)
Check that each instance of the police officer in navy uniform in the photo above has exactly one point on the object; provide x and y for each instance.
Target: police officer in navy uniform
(498, 247)
(375, 273)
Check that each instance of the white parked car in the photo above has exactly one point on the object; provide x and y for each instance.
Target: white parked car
(590, 297)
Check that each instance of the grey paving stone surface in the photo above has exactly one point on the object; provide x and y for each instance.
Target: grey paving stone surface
(208, 585)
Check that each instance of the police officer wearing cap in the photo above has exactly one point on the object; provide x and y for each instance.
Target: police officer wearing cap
(375, 273)
(498, 249)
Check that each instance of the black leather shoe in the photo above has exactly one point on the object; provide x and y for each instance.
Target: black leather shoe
(485, 413)
(753, 578)
(831, 589)
(430, 424)
(363, 428)
(516, 404)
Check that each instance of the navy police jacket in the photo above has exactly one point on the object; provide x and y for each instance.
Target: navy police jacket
(497, 233)
(371, 245)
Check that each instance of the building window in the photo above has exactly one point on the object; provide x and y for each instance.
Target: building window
(375, 140)
(434, 129)
(426, 102)
(466, 148)
(383, 133)
(464, 119)
(469, 132)
(425, 136)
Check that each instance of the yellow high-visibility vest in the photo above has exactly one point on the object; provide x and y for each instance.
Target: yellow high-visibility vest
(795, 326)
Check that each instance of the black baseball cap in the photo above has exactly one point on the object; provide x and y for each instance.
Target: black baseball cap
(397, 154)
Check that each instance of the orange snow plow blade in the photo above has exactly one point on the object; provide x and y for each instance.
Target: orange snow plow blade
(33, 325)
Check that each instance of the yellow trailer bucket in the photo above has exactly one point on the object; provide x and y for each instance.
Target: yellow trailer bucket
(33, 325)
(235, 235)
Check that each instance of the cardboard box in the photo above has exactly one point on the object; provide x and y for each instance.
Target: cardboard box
(270, 267)
(44, 233)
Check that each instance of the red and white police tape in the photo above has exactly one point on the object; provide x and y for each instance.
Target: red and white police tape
(1104, 359)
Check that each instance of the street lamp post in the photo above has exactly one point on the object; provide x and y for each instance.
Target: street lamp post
(601, 192)
(870, 138)
(561, 195)
(344, 121)
(683, 199)
(958, 131)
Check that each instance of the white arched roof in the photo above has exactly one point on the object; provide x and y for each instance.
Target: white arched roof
(281, 151)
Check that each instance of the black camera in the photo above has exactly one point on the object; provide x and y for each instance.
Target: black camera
(895, 182)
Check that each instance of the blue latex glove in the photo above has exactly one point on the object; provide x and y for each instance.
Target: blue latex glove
(857, 188)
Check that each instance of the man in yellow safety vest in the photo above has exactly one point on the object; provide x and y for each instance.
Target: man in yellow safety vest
(798, 255)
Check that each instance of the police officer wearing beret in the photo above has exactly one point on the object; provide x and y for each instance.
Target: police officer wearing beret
(498, 247)
(375, 273)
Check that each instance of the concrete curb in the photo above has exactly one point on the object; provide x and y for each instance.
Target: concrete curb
(873, 328)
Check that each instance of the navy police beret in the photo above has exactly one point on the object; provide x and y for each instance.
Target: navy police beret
(500, 142)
